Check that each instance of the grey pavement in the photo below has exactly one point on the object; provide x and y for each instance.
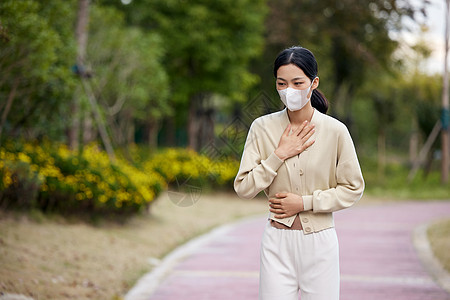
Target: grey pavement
(378, 258)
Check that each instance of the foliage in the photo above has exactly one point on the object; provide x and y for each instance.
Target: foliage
(51, 177)
(130, 82)
(424, 98)
(351, 40)
(128, 77)
(68, 181)
(188, 166)
(208, 49)
(208, 43)
(36, 51)
(394, 182)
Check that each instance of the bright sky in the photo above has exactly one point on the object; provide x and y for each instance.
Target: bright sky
(435, 37)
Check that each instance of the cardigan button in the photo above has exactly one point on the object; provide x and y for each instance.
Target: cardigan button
(308, 229)
(305, 220)
(301, 172)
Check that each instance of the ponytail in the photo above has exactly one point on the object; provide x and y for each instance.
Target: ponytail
(319, 102)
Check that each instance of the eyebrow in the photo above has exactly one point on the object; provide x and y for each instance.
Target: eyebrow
(296, 78)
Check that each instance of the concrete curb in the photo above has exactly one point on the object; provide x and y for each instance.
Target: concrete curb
(429, 261)
(147, 285)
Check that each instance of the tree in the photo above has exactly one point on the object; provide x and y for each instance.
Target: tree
(127, 76)
(36, 50)
(350, 39)
(81, 38)
(208, 46)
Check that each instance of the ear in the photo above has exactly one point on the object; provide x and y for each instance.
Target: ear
(315, 83)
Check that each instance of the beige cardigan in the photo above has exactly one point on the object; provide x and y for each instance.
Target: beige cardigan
(327, 175)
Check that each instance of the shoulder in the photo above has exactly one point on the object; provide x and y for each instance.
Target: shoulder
(332, 124)
(268, 120)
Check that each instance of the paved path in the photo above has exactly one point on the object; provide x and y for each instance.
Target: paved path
(377, 256)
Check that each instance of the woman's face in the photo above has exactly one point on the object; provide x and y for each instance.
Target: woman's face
(294, 77)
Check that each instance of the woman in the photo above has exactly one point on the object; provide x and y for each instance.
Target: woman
(306, 163)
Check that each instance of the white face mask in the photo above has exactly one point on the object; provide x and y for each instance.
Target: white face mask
(295, 99)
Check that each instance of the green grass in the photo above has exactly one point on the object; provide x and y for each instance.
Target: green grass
(439, 236)
(393, 182)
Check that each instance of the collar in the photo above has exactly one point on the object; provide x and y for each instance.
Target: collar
(285, 118)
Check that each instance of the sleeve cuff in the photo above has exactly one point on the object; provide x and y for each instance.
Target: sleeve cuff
(273, 162)
(286, 221)
(307, 202)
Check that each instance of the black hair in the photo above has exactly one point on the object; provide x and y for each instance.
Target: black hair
(305, 60)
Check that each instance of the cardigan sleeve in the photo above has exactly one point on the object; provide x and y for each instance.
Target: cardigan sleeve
(255, 174)
(349, 179)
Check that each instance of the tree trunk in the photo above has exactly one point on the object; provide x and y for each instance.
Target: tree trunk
(381, 152)
(445, 118)
(193, 122)
(89, 133)
(413, 144)
(81, 33)
(206, 127)
(100, 124)
(130, 129)
(200, 122)
(428, 164)
(73, 131)
(81, 36)
(170, 136)
(8, 105)
(152, 133)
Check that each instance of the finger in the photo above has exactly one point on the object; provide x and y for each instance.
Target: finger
(275, 201)
(307, 129)
(301, 127)
(280, 216)
(276, 211)
(309, 143)
(281, 195)
(309, 134)
(287, 130)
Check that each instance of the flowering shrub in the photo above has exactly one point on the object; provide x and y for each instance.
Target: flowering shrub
(68, 180)
(52, 177)
(179, 165)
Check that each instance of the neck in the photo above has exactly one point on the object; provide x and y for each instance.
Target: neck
(299, 116)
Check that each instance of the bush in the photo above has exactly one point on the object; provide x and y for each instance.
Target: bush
(68, 181)
(19, 182)
(180, 166)
(52, 178)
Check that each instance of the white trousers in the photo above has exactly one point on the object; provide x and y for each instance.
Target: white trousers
(293, 262)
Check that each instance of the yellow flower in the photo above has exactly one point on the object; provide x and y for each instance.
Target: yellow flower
(75, 161)
(7, 181)
(88, 193)
(23, 157)
(63, 151)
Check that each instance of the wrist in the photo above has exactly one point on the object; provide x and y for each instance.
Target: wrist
(280, 155)
(300, 205)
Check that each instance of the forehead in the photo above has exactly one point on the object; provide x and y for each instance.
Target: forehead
(291, 71)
